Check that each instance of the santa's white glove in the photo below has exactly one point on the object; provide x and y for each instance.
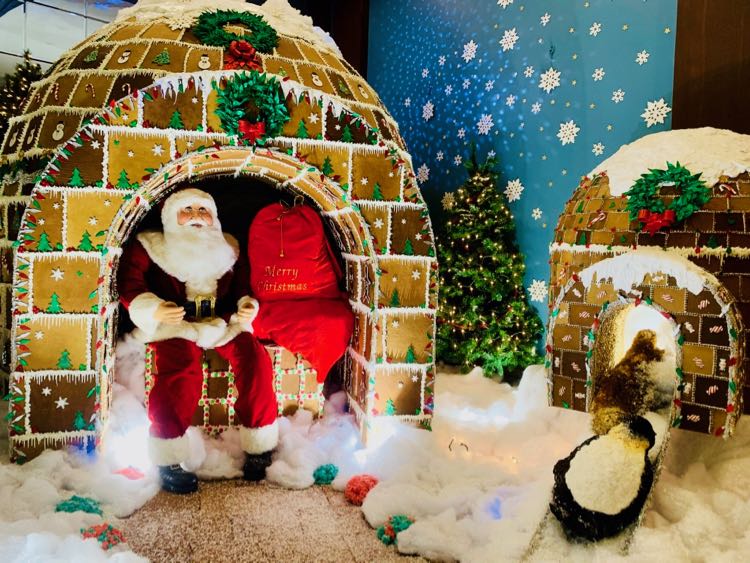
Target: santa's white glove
(210, 332)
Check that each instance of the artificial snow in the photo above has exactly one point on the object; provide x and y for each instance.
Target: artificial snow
(628, 270)
(712, 152)
(477, 486)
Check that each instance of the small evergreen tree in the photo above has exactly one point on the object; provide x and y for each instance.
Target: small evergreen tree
(79, 423)
(75, 179)
(302, 130)
(347, 136)
(175, 122)
(411, 356)
(162, 58)
(327, 166)
(64, 361)
(44, 245)
(395, 300)
(85, 243)
(390, 407)
(377, 193)
(123, 182)
(408, 248)
(54, 304)
(484, 317)
(15, 89)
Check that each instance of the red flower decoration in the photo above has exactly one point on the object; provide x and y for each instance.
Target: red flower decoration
(241, 55)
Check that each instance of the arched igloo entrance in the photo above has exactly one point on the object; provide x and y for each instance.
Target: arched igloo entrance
(696, 319)
(101, 183)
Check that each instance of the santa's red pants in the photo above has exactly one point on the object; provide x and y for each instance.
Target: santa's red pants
(179, 378)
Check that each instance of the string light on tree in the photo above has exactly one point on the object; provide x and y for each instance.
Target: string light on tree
(15, 89)
(484, 316)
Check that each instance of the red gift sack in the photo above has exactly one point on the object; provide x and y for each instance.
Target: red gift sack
(290, 257)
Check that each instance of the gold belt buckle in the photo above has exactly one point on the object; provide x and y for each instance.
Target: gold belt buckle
(199, 300)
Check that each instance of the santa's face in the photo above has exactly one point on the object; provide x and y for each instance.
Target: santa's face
(195, 215)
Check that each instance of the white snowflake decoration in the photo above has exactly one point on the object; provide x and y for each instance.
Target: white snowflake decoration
(39, 335)
(528, 72)
(378, 223)
(448, 200)
(415, 274)
(470, 51)
(597, 149)
(538, 290)
(536, 213)
(439, 156)
(57, 274)
(457, 160)
(461, 133)
(423, 174)
(466, 83)
(595, 29)
(536, 107)
(504, 3)
(61, 402)
(510, 101)
(490, 154)
(655, 112)
(568, 132)
(598, 74)
(407, 102)
(441, 60)
(428, 110)
(489, 85)
(618, 96)
(544, 20)
(157, 150)
(642, 57)
(484, 124)
(180, 20)
(425, 72)
(549, 79)
(514, 189)
(448, 90)
(46, 391)
(509, 39)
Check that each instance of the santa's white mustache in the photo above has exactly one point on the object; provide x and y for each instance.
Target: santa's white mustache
(196, 223)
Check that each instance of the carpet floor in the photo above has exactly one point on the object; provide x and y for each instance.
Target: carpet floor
(240, 522)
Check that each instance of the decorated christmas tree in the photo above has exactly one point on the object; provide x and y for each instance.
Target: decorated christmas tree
(64, 361)
(302, 130)
(123, 182)
(327, 168)
(44, 245)
(484, 317)
(85, 243)
(162, 58)
(377, 193)
(347, 136)
(75, 179)
(15, 89)
(54, 304)
(175, 122)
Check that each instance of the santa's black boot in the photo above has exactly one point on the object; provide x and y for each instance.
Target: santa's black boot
(255, 466)
(174, 479)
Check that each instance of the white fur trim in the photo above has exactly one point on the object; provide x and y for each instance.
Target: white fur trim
(236, 326)
(259, 440)
(210, 332)
(166, 331)
(142, 310)
(168, 451)
(183, 198)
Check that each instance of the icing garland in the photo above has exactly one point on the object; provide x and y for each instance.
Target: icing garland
(645, 205)
(210, 30)
(251, 106)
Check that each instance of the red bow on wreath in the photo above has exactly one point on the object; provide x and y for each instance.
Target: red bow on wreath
(250, 131)
(241, 55)
(655, 221)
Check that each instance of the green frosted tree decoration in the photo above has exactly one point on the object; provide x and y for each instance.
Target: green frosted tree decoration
(327, 166)
(123, 182)
(162, 58)
(411, 356)
(347, 136)
(377, 193)
(44, 245)
(79, 423)
(395, 300)
(408, 248)
(484, 317)
(390, 407)
(175, 122)
(302, 130)
(85, 243)
(54, 304)
(92, 56)
(64, 361)
(75, 179)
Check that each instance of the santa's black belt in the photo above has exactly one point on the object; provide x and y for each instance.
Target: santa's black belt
(200, 307)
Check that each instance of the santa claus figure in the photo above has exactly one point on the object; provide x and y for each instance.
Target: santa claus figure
(182, 295)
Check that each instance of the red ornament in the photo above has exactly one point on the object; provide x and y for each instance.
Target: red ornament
(358, 487)
(250, 131)
(241, 55)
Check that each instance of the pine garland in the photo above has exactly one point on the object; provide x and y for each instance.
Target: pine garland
(210, 30)
(694, 193)
(253, 96)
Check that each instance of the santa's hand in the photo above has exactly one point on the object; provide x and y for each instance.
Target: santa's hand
(169, 313)
(247, 311)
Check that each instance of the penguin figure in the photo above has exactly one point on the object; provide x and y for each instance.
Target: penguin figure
(602, 486)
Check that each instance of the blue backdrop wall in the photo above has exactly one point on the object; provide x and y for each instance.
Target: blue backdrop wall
(550, 87)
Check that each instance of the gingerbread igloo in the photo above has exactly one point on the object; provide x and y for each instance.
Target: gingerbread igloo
(158, 98)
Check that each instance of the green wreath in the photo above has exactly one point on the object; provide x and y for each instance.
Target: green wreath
(643, 195)
(210, 30)
(254, 97)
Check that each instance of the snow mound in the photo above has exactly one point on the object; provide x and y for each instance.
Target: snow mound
(713, 152)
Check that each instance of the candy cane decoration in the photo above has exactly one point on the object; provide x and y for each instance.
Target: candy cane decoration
(598, 219)
(567, 338)
(561, 392)
(56, 91)
(668, 298)
(716, 329)
(703, 304)
(711, 390)
(694, 417)
(90, 88)
(576, 367)
(126, 88)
